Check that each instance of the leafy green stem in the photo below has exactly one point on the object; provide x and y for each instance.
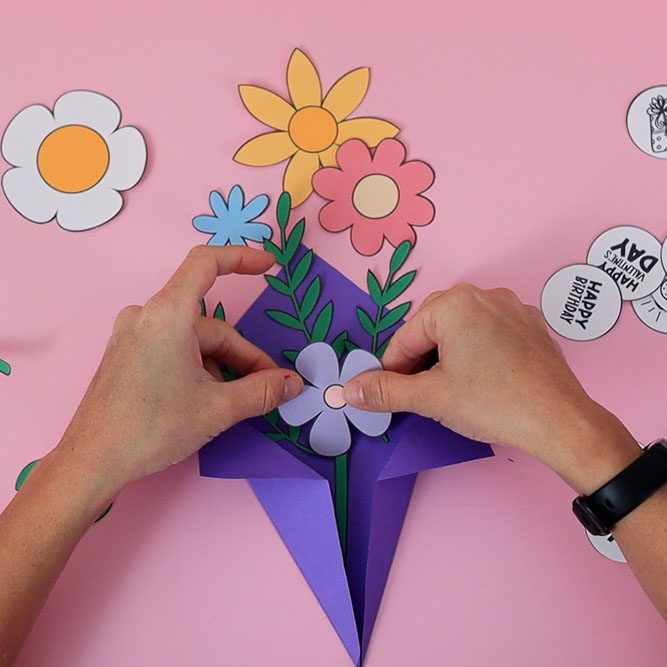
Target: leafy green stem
(340, 498)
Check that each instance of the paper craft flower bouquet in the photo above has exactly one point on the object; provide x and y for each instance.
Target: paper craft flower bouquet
(335, 481)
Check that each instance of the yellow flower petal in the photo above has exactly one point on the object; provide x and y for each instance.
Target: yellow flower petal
(303, 82)
(370, 130)
(346, 94)
(328, 157)
(265, 149)
(266, 107)
(299, 174)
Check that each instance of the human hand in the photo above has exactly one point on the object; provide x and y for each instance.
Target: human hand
(500, 378)
(157, 396)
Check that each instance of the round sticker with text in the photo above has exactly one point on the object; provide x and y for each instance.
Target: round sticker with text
(646, 121)
(631, 256)
(652, 310)
(581, 302)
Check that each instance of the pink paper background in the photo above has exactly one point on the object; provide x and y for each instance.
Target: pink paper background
(520, 108)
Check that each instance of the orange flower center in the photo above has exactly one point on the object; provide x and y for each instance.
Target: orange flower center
(313, 129)
(72, 158)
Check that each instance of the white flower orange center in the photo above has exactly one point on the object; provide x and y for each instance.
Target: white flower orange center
(375, 196)
(313, 129)
(333, 396)
(73, 158)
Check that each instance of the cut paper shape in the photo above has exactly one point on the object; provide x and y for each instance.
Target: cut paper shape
(71, 163)
(646, 121)
(631, 256)
(606, 546)
(376, 194)
(308, 129)
(5, 368)
(295, 487)
(233, 221)
(322, 400)
(25, 472)
(581, 302)
(652, 310)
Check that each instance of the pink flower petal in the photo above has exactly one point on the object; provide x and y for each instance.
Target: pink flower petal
(420, 212)
(336, 216)
(416, 176)
(354, 155)
(400, 232)
(389, 154)
(328, 182)
(367, 237)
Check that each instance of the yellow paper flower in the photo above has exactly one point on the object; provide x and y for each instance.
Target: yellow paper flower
(310, 129)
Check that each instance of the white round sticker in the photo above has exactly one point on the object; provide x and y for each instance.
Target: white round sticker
(646, 121)
(607, 546)
(581, 302)
(652, 310)
(631, 256)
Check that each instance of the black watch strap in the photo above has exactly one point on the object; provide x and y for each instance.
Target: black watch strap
(604, 508)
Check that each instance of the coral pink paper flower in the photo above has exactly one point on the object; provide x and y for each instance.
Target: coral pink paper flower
(378, 195)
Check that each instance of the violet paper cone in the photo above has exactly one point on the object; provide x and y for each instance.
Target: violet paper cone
(295, 487)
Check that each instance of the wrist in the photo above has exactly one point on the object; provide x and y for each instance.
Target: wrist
(594, 448)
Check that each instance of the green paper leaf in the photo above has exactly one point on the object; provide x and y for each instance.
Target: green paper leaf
(399, 286)
(294, 433)
(366, 322)
(271, 247)
(272, 417)
(374, 288)
(338, 343)
(399, 256)
(5, 368)
(393, 315)
(294, 239)
(278, 285)
(283, 209)
(202, 307)
(322, 323)
(285, 319)
(382, 348)
(351, 345)
(310, 297)
(275, 436)
(290, 355)
(301, 269)
(219, 312)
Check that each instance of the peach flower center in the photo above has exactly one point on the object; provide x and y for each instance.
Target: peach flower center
(375, 196)
(333, 396)
(313, 129)
(72, 158)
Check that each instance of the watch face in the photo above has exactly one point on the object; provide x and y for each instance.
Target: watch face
(586, 517)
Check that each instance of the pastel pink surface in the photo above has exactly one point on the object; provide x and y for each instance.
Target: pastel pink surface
(520, 110)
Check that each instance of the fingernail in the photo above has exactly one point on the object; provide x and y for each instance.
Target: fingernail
(292, 386)
(353, 393)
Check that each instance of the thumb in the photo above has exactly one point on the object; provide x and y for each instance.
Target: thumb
(387, 391)
(255, 394)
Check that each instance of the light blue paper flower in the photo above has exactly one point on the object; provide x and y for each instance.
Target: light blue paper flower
(233, 221)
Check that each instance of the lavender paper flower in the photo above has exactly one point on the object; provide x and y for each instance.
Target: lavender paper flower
(322, 400)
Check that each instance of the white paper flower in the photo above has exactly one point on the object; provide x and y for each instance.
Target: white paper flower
(71, 163)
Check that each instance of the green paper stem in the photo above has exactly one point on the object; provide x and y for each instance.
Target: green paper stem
(340, 498)
(5, 368)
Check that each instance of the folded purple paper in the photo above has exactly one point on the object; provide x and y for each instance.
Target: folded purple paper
(295, 487)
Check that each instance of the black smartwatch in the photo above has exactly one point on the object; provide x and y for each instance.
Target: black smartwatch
(600, 511)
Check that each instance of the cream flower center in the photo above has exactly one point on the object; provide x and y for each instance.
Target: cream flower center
(313, 129)
(333, 396)
(73, 158)
(375, 196)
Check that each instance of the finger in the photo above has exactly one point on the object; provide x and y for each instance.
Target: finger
(211, 365)
(221, 341)
(203, 264)
(412, 341)
(252, 395)
(386, 391)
